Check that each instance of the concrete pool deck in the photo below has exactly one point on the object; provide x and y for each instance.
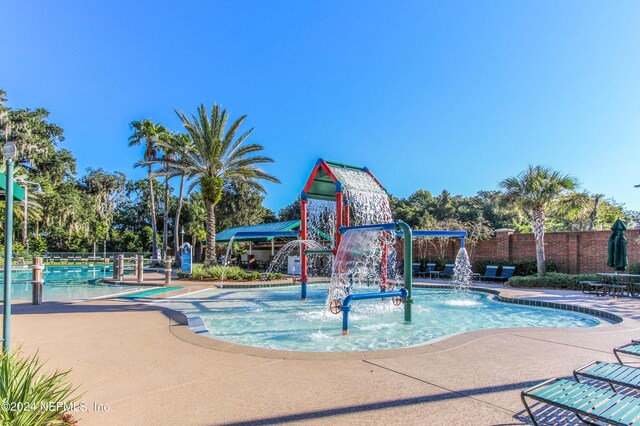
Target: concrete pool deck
(147, 367)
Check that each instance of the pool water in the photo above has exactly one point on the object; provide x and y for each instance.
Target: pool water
(66, 283)
(277, 319)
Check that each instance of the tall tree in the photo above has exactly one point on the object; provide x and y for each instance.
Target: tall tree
(177, 146)
(218, 157)
(147, 133)
(537, 191)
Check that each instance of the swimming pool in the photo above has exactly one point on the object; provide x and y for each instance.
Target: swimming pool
(66, 283)
(277, 319)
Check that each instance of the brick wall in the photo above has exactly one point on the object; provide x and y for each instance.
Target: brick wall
(573, 252)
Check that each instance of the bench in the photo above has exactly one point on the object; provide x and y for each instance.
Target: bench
(602, 289)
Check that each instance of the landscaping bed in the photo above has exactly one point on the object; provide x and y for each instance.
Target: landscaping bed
(227, 273)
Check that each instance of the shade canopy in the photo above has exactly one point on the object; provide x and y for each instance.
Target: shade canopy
(261, 233)
(617, 247)
(18, 191)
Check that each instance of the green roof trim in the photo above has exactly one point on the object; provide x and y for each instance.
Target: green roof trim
(227, 234)
(18, 191)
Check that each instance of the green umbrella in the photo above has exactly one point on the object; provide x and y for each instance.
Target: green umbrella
(617, 249)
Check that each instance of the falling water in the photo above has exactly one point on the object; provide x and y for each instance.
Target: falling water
(461, 281)
(360, 262)
(368, 201)
(321, 221)
(229, 248)
(292, 248)
(462, 274)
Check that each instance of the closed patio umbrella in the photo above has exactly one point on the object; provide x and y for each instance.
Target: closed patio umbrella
(617, 248)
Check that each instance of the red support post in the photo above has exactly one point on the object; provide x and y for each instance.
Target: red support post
(303, 256)
(339, 216)
(384, 261)
(346, 219)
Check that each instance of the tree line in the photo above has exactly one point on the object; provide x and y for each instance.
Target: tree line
(220, 185)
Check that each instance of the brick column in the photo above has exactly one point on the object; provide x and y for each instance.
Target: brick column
(503, 243)
(573, 264)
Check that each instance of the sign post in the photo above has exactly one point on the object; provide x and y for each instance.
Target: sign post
(186, 258)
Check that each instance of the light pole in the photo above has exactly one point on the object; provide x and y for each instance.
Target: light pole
(9, 152)
(182, 232)
(23, 183)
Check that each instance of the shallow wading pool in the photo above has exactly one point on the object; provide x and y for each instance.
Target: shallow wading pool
(278, 319)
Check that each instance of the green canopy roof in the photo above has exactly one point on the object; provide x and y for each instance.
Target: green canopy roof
(18, 191)
(227, 234)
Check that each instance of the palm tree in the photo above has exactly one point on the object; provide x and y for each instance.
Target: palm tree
(149, 133)
(537, 191)
(175, 147)
(218, 157)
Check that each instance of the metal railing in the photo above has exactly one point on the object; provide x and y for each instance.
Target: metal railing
(75, 257)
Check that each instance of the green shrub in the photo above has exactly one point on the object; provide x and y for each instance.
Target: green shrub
(218, 272)
(552, 280)
(634, 269)
(35, 397)
(523, 267)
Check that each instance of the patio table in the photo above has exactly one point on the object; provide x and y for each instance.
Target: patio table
(619, 283)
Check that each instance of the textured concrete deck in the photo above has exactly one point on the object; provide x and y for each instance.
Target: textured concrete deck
(150, 369)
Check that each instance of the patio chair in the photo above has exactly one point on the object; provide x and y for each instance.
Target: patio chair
(490, 274)
(610, 373)
(631, 349)
(584, 401)
(507, 272)
(430, 267)
(448, 270)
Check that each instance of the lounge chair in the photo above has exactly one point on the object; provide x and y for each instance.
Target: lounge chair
(490, 274)
(610, 373)
(416, 269)
(584, 401)
(448, 271)
(507, 272)
(631, 349)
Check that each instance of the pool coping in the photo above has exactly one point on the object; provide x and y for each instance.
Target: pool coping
(190, 328)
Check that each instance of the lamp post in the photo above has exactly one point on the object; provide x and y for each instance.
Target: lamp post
(38, 190)
(9, 152)
(182, 232)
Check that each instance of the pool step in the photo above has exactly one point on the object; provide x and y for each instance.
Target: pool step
(148, 293)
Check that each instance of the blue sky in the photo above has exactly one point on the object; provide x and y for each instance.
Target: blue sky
(433, 95)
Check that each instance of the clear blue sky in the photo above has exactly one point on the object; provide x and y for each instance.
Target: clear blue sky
(433, 95)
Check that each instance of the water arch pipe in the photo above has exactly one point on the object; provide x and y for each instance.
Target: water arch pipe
(406, 292)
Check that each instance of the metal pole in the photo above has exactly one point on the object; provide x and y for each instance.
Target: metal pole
(8, 249)
(408, 268)
(24, 227)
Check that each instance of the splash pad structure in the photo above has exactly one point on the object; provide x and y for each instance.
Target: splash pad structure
(361, 198)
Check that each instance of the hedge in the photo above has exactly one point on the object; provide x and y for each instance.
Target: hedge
(552, 280)
(523, 267)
